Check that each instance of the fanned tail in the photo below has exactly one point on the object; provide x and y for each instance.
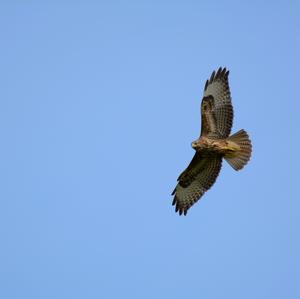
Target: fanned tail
(238, 159)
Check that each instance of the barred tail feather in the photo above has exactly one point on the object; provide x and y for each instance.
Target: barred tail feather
(240, 158)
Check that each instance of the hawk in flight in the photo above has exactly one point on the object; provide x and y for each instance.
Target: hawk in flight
(213, 145)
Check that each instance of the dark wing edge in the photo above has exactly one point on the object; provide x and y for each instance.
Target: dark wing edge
(194, 184)
(217, 87)
(222, 73)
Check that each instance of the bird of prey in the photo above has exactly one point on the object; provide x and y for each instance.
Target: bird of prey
(213, 145)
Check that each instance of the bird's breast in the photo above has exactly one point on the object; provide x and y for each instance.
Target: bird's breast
(218, 146)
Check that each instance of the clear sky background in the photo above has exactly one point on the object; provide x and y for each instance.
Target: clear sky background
(99, 103)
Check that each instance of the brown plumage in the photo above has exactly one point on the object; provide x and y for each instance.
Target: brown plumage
(213, 145)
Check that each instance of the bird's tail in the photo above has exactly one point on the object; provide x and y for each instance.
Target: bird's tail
(239, 158)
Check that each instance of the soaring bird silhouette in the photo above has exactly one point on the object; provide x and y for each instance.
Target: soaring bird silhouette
(213, 145)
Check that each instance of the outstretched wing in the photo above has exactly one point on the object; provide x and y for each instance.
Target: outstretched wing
(216, 107)
(198, 177)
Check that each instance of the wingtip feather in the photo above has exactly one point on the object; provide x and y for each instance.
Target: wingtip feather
(212, 76)
(173, 191)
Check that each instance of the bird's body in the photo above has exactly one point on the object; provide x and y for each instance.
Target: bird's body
(213, 145)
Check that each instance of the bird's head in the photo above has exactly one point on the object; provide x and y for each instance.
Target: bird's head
(196, 144)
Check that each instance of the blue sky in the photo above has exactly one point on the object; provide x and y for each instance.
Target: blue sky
(99, 104)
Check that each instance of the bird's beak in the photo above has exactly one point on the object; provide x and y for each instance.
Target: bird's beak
(194, 144)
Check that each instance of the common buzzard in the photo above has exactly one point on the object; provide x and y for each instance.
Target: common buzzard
(213, 145)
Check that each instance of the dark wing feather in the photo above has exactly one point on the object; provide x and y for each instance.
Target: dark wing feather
(199, 176)
(208, 117)
(217, 88)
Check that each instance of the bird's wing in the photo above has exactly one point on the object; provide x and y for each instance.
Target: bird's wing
(198, 177)
(217, 95)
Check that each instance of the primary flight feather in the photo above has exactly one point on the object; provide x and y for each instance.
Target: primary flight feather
(213, 145)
